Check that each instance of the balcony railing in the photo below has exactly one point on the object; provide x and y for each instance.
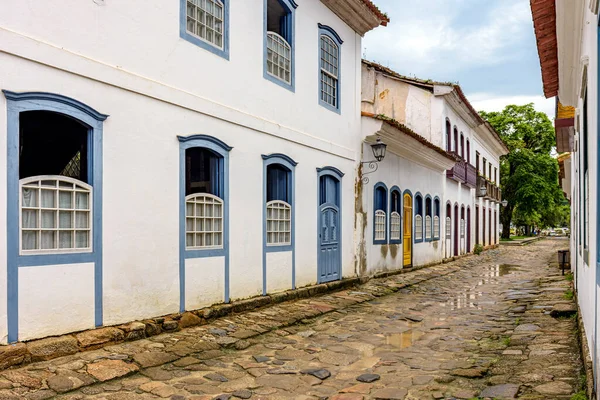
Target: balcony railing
(493, 192)
(464, 173)
(471, 174)
(458, 172)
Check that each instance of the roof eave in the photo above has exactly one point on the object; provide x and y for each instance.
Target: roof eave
(361, 15)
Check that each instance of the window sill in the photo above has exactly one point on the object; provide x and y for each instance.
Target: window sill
(204, 253)
(274, 248)
(395, 241)
(277, 81)
(328, 106)
(32, 260)
(223, 53)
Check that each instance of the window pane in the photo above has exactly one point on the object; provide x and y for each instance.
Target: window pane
(47, 240)
(81, 220)
(48, 200)
(30, 197)
(81, 239)
(48, 219)
(30, 219)
(65, 240)
(81, 201)
(65, 219)
(29, 240)
(65, 199)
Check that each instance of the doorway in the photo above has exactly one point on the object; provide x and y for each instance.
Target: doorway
(407, 235)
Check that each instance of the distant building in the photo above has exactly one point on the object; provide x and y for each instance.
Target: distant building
(436, 193)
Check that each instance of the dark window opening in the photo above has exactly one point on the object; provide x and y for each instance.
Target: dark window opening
(436, 207)
(428, 207)
(419, 205)
(468, 152)
(477, 162)
(52, 144)
(455, 140)
(484, 166)
(203, 172)
(329, 190)
(462, 146)
(448, 136)
(278, 183)
(395, 201)
(380, 199)
(279, 20)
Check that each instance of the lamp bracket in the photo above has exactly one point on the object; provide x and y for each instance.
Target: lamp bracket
(373, 166)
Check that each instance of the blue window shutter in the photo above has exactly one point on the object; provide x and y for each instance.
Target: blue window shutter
(286, 27)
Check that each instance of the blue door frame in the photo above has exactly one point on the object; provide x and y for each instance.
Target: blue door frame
(329, 224)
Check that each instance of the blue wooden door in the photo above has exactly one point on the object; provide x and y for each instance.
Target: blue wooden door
(330, 260)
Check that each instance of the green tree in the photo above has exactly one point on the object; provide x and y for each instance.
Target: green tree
(528, 173)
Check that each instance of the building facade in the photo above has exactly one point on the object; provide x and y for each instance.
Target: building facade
(435, 195)
(170, 156)
(567, 39)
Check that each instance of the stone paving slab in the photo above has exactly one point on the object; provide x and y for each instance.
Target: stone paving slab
(479, 326)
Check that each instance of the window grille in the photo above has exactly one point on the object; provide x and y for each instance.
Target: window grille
(427, 227)
(436, 227)
(279, 57)
(448, 228)
(203, 221)
(279, 223)
(205, 20)
(56, 214)
(394, 226)
(379, 225)
(418, 227)
(329, 71)
(462, 228)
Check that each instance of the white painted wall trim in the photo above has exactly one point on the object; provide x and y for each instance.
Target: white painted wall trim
(35, 50)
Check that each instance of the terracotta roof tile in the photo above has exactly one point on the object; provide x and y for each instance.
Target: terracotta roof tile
(544, 25)
(382, 16)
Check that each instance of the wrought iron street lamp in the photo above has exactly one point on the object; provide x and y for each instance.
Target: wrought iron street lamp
(504, 203)
(482, 190)
(378, 149)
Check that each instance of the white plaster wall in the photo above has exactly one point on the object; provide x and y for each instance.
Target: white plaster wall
(141, 194)
(405, 174)
(3, 254)
(279, 271)
(55, 299)
(418, 110)
(143, 39)
(204, 281)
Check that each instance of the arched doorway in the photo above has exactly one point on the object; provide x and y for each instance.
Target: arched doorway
(448, 236)
(407, 230)
(456, 238)
(468, 230)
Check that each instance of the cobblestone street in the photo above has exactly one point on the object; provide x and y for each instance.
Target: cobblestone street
(477, 327)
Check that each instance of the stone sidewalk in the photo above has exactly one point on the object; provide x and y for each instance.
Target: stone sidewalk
(480, 326)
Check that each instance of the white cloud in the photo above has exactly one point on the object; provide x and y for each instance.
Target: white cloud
(428, 36)
(491, 102)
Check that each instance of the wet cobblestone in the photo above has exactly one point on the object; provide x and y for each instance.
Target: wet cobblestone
(480, 326)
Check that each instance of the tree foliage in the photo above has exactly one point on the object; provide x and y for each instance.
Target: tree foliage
(528, 173)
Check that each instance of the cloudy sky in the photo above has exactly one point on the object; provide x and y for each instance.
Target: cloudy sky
(487, 46)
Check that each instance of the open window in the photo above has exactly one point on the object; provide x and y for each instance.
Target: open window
(436, 219)
(203, 198)
(279, 33)
(418, 218)
(55, 197)
(395, 234)
(279, 207)
(428, 218)
(380, 205)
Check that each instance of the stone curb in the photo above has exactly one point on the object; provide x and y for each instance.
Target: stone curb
(22, 353)
(588, 366)
(521, 242)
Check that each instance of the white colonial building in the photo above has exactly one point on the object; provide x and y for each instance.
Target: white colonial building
(167, 155)
(435, 195)
(567, 34)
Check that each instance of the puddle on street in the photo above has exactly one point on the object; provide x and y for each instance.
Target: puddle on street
(465, 299)
(404, 339)
(501, 270)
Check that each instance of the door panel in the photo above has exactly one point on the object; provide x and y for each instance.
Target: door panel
(407, 231)
(329, 243)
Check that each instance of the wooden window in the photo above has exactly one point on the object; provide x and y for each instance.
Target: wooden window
(436, 219)
(462, 146)
(279, 207)
(428, 220)
(468, 152)
(330, 61)
(380, 214)
(418, 218)
(204, 19)
(279, 41)
(395, 216)
(477, 162)
(448, 135)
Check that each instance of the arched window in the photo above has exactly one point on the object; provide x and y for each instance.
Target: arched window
(436, 219)
(329, 56)
(380, 206)
(448, 135)
(54, 168)
(279, 31)
(279, 208)
(455, 140)
(462, 146)
(468, 152)
(462, 224)
(418, 218)
(428, 215)
(448, 221)
(203, 199)
(395, 234)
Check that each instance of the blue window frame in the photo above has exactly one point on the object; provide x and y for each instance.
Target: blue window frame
(436, 223)
(206, 24)
(380, 213)
(330, 45)
(419, 234)
(395, 215)
(86, 142)
(203, 182)
(279, 42)
(279, 213)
